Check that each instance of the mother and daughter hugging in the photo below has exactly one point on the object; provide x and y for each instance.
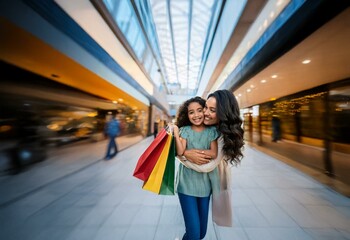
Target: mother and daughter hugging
(209, 139)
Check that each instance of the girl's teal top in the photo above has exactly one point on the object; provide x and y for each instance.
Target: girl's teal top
(189, 181)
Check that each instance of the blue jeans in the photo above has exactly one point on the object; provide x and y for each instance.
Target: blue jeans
(112, 149)
(195, 211)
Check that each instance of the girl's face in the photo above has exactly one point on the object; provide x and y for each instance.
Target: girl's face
(210, 112)
(195, 113)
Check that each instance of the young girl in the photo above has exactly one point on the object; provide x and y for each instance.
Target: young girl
(194, 188)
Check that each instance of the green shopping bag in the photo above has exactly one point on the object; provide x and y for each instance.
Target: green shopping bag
(167, 187)
(154, 182)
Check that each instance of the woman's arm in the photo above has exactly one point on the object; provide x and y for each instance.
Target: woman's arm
(208, 166)
(213, 151)
(205, 155)
(197, 156)
(201, 162)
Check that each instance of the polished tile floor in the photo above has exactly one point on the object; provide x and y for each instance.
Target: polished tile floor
(76, 195)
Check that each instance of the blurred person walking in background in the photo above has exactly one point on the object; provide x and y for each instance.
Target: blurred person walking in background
(155, 129)
(112, 130)
(276, 128)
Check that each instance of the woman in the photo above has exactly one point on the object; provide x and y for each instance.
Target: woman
(221, 110)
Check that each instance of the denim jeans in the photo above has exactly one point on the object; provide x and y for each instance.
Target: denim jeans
(112, 149)
(195, 211)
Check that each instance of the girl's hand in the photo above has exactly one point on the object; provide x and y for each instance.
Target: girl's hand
(197, 156)
(174, 129)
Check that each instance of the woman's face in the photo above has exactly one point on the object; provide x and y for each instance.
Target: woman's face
(195, 113)
(210, 112)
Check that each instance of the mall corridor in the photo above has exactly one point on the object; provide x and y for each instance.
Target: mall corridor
(98, 199)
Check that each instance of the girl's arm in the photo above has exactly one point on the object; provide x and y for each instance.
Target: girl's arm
(213, 151)
(179, 142)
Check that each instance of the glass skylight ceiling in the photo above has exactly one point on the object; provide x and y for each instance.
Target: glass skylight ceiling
(179, 34)
(184, 30)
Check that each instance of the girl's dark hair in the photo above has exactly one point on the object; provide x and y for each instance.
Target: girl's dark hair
(229, 125)
(182, 114)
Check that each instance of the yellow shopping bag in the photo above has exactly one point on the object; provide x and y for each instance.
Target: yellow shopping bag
(154, 181)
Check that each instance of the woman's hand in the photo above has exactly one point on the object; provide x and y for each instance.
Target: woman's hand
(197, 156)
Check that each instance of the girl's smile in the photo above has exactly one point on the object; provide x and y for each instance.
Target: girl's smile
(195, 113)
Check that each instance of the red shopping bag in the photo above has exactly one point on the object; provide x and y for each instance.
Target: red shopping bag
(149, 158)
(154, 182)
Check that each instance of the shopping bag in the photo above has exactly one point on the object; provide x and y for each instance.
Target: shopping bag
(167, 187)
(221, 203)
(154, 181)
(149, 158)
(222, 209)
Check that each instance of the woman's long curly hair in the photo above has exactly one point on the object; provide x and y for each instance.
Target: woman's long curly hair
(182, 114)
(229, 125)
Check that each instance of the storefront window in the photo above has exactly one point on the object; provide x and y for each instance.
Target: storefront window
(339, 99)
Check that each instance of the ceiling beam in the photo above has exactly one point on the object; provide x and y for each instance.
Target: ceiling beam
(247, 18)
(189, 16)
(168, 2)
